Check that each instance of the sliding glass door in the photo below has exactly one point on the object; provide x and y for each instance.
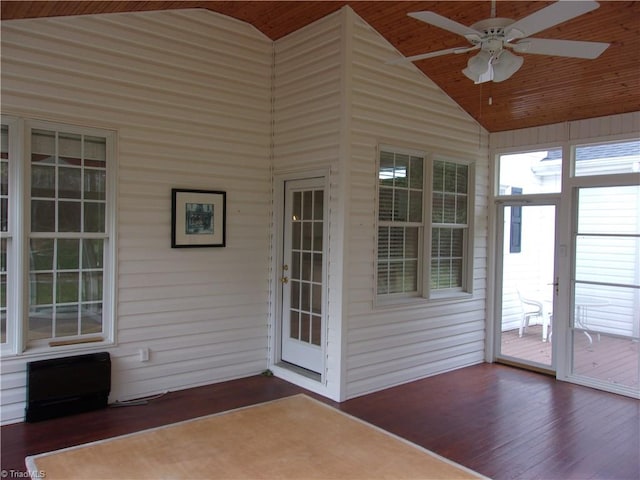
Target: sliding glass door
(605, 332)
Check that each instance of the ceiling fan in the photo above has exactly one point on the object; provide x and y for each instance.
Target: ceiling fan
(495, 37)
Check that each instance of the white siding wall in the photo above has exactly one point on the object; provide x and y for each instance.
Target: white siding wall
(594, 128)
(189, 95)
(398, 105)
(308, 102)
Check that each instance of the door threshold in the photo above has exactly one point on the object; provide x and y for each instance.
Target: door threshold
(526, 366)
(311, 375)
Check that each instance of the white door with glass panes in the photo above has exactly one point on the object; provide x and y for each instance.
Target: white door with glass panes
(303, 273)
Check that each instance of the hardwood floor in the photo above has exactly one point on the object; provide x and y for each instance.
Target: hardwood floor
(603, 357)
(503, 422)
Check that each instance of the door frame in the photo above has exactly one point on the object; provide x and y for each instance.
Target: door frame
(495, 323)
(316, 383)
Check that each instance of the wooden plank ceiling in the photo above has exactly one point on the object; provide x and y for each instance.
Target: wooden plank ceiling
(545, 90)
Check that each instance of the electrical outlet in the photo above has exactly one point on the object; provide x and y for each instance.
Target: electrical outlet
(144, 354)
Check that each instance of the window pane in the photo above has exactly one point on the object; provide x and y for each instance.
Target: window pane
(396, 277)
(94, 219)
(43, 216)
(385, 202)
(383, 242)
(383, 278)
(411, 246)
(411, 276)
(416, 178)
(67, 287)
(462, 178)
(66, 321)
(4, 215)
(43, 146)
(461, 210)
(92, 253)
(415, 206)
(41, 254)
(69, 216)
(401, 171)
(317, 236)
(70, 149)
(307, 205)
(43, 181)
(68, 254)
(396, 242)
(41, 289)
(297, 206)
(449, 214)
(400, 205)
(533, 172)
(318, 204)
(95, 151)
(386, 172)
(91, 318)
(91, 286)
(607, 158)
(94, 184)
(40, 323)
(606, 210)
(69, 182)
(607, 259)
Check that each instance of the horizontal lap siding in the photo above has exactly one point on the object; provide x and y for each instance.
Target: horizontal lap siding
(306, 137)
(189, 95)
(397, 105)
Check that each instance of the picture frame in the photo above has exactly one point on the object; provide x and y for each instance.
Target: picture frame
(198, 218)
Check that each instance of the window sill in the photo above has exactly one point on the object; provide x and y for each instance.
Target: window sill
(46, 351)
(413, 302)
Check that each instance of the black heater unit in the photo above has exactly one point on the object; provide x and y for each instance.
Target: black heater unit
(64, 386)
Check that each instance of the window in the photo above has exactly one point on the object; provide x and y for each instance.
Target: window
(66, 278)
(415, 191)
(4, 230)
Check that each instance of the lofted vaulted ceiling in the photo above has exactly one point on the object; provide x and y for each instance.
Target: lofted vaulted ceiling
(545, 90)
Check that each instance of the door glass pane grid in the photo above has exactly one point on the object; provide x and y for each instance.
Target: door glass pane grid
(307, 263)
(65, 287)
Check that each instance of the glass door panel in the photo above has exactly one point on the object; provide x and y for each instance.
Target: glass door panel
(606, 289)
(525, 299)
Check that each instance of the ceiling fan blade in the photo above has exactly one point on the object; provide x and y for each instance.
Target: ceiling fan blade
(548, 17)
(422, 56)
(561, 48)
(445, 23)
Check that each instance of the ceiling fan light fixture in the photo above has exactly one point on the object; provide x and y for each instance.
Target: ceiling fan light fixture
(479, 64)
(506, 65)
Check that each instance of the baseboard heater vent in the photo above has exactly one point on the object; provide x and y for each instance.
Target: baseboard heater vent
(69, 385)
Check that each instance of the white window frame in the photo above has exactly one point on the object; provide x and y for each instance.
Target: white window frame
(19, 233)
(425, 292)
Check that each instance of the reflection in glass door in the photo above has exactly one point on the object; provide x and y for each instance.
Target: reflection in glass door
(525, 300)
(606, 290)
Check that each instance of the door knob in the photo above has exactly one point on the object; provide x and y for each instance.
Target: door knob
(284, 280)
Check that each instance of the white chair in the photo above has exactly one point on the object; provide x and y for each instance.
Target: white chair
(532, 308)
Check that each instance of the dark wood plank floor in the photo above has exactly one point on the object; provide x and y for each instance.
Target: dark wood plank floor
(503, 422)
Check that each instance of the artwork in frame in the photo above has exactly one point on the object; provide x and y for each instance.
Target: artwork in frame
(198, 218)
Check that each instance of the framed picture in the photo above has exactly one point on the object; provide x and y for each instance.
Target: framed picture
(198, 218)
